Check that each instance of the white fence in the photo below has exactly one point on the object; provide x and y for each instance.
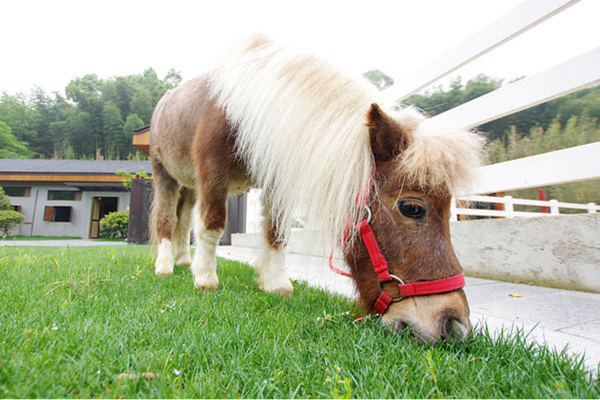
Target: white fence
(507, 205)
(580, 163)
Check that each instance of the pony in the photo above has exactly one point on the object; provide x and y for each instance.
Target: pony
(369, 176)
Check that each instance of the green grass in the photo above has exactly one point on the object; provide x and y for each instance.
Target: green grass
(20, 237)
(73, 319)
(109, 240)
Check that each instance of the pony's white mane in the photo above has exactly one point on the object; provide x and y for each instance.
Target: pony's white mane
(301, 132)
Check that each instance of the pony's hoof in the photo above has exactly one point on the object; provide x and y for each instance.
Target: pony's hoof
(283, 288)
(206, 283)
(184, 261)
(163, 267)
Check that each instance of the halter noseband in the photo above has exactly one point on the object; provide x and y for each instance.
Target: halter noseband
(383, 271)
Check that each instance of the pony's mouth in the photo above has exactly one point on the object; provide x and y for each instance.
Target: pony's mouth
(431, 319)
(450, 329)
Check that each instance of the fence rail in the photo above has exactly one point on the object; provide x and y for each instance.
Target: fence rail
(460, 207)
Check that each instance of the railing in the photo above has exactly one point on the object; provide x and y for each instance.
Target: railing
(570, 165)
(507, 204)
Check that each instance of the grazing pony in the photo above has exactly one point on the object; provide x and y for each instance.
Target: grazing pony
(370, 177)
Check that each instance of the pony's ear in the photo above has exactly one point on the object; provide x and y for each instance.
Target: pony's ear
(388, 138)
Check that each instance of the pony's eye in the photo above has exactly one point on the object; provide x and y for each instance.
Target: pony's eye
(412, 209)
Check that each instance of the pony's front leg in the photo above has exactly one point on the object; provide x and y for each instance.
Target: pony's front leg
(209, 223)
(272, 272)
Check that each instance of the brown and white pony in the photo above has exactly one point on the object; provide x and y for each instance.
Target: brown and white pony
(311, 137)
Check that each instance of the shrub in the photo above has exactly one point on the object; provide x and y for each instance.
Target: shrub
(5, 203)
(10, 219)
(115, 224)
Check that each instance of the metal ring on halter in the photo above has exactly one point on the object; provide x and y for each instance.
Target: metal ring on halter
(368, 214)
(395, 278)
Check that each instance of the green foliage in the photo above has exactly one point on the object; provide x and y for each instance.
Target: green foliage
(438, 100)
(88, 322)
(577, 131)
(115, 224)
(10, 219)
(10, 146)
(128, 176)
(379, 79)
(5, 203)
(92, 122)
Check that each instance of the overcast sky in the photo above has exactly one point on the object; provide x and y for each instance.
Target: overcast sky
(48, 43)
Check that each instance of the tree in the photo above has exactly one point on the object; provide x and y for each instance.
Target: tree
(80, 135)
(379, 79)
(15, 111)
(84, 123)
(117, 145)
(10, 146)
(40, 122)
(142, 105)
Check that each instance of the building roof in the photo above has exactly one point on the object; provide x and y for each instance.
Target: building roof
(68, 170)
(80, 167)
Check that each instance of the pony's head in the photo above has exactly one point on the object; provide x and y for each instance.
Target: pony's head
(416, 173)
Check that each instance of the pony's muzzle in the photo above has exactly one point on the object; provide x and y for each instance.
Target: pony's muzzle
(431, 319)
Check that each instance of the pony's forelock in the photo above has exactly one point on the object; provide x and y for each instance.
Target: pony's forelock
(439, 160)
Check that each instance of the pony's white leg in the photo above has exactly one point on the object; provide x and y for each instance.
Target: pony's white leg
(181, 245)
(181, 236)
(204, 263)
(164, 259)
(272, 273)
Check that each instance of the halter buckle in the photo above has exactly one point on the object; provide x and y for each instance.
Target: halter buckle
(400, 282)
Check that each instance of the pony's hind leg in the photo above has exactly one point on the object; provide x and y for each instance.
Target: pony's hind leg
(181, 236)
(164, 217)
(210, 215)
(272, 272)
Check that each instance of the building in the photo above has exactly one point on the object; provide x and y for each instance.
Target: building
(66, 197)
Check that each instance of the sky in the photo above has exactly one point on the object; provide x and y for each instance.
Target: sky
(49, 43)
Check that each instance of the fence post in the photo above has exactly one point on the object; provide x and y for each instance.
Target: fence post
(554, 209)
(508, 207)
(592, 208)
(453, 215)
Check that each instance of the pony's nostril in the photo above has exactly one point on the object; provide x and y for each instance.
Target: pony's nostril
(400, 326)
(452, 328)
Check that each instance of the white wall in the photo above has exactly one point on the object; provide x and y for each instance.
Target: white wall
(33, 209)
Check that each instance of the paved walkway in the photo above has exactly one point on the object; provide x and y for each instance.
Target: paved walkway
(555, 317)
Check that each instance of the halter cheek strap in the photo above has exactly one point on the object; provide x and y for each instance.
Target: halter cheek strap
(382, 270)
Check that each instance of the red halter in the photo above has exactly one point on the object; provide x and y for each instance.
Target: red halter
(382, 270)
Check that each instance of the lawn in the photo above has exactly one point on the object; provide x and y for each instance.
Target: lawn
(20, 238)
(97, 322)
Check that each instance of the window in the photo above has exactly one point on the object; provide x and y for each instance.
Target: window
(57, 214)
(17, 191)
(17, 208)
(69, 195)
